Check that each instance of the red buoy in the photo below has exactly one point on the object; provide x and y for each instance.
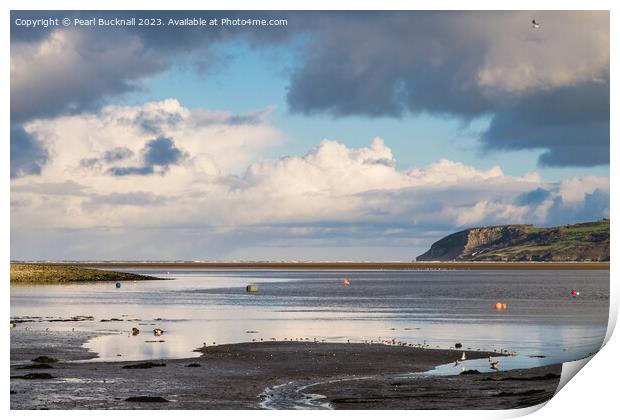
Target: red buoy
(573, 292)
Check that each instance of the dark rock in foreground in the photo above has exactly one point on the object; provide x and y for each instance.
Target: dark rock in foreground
(34, 376)
(44, 359)
(146, 365)
(193, 365)
(470, 372)
(147, 399)
(36, 366)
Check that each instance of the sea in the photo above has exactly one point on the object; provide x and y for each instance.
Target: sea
(543, 323)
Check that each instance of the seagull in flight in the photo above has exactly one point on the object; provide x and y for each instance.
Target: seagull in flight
(535, 24)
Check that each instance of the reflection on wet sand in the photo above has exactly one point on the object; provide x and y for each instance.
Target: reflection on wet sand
(431, 309)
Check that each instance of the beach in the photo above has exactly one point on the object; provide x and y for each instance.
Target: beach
(388, 339)
(263, 375)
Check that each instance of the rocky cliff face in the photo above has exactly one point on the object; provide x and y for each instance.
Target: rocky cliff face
(579, 242)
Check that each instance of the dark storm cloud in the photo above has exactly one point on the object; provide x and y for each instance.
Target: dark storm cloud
(467, 65)
(459, 64)
(83, 68)
(158, 154)
(27, 155)
(75, 72)
(571, 123)
(384, 64)
(69, 72)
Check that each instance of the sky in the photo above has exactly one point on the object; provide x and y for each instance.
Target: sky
(338, 136)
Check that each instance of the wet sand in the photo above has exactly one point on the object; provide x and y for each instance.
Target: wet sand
(262, 375)
(487, 391)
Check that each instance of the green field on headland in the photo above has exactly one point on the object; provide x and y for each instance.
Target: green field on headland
(47, 273)
(581, 242)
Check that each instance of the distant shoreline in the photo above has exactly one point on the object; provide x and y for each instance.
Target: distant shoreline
(326, 265)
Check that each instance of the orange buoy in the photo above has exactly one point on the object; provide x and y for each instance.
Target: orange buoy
(345, 282)
(498, 306)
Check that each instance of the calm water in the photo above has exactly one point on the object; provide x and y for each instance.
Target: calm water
(436, 307)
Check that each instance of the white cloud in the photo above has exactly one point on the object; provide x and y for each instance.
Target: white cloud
(489, 212)
(573, 190)
(213, 149)
(223, 189)
(568, 49)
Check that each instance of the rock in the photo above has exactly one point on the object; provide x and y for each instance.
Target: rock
(458, 345)
(36, 366)
(145, 365)
(147, 399)
(34, 376)
(470, 372)
(579, 242)
(193, 365)
(45, 359)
